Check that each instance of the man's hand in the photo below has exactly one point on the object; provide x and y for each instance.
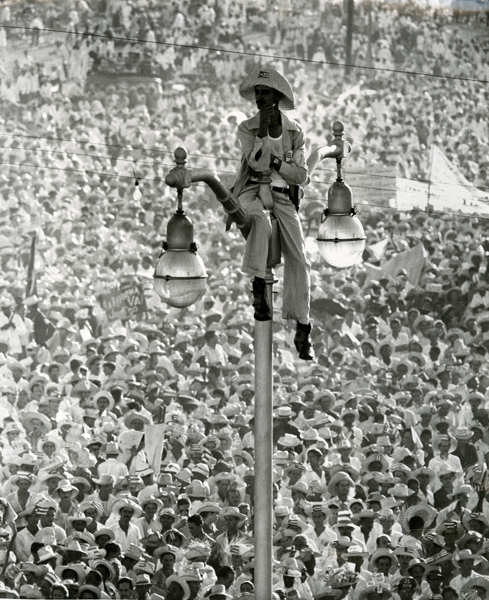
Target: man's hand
(265, 118)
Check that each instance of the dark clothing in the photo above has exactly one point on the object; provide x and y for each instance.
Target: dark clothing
(441, 499)
(468, 457)
(43, 328)
(281, 427)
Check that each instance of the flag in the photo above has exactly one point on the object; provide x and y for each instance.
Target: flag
(412, 260)
(31, 287)
(155, 439)
(378, 249)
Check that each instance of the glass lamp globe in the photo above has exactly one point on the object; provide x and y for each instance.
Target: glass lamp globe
(180, 273)
(341, 237)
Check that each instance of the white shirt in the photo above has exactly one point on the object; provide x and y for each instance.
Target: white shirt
(112, 466)
(133, 535)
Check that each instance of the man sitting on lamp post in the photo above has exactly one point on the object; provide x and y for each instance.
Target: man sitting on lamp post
(273, 167)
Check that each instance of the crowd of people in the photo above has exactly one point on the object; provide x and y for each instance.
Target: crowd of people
(127, 447)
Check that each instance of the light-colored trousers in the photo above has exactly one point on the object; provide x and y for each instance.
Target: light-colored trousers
(297, 281)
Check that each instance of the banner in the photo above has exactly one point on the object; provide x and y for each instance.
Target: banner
(125, 302)
(154, 441)
(412, 260)
(447, 190)
(411, 194)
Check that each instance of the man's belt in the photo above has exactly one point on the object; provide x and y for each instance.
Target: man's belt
(281, 190)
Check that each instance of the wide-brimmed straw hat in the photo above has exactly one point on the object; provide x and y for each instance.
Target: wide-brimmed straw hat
(232, 511)
(271, 78)
(79, 516)
(460, 490)
(424, 511)
(29, 417)
(474, 517)
(336, 478)
(382, 553)
(476, 582)
(121, 503)
(440, 438)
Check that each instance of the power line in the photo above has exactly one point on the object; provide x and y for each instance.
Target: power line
(91, 143)
(157, 164)
(254, 54)
(128, 160)
(453, 215)
(369, 205)
(83, 171)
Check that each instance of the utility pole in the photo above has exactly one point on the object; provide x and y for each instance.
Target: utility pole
(350, 7)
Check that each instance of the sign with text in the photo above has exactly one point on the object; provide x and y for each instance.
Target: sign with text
(125, 302)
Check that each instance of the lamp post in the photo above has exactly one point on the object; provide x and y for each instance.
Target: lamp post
(180, 281)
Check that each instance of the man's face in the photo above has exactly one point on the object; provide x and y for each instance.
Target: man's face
(265, 96)
(167, 560)
(106, 489)
(223, 486)
(102, 540)
(126, 514)
(406, 594)
(102, 403)
(137, 425)
(150, 510)
(167, 521)
(367, 523)
(231, 522)
(384, 564)
(79, 525)
(367, 350)
(193, 528)
(395, 327)
(24, 484)
(343, 488)
(125, 590)
(444, 447)
(32, 520)
(95, 449)
(48, 518)
(64, 495)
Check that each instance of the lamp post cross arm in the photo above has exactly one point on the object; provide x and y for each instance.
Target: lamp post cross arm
(181, 177)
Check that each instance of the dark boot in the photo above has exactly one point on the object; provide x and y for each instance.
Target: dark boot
(302, 341)
(260, 300)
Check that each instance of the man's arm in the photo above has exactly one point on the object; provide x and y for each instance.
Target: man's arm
(294, 172)
(255, 149)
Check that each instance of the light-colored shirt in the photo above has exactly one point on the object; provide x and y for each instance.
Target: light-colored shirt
(133, 535)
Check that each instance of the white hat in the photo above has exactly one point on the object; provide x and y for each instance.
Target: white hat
(271, 78)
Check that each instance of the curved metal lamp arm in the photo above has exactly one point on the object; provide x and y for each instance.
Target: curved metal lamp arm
(181, 177)
(339, 149)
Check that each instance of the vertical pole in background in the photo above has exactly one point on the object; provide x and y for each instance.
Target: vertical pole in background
(370, 58)
(263, 430)
(350, 7)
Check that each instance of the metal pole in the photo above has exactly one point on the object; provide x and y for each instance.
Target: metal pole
(263, 514)
(370, 60)
(350, 7)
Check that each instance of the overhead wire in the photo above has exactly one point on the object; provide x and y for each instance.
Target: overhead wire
(222, 50)
(346, 171)
(454, 215)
